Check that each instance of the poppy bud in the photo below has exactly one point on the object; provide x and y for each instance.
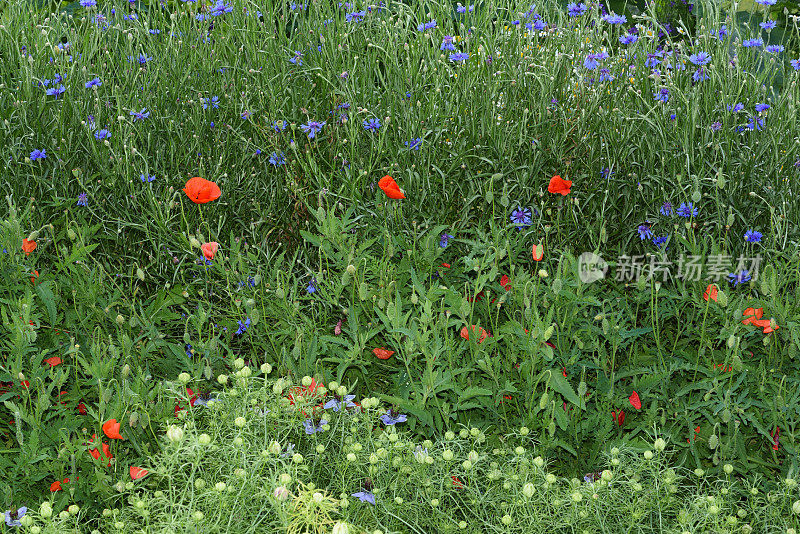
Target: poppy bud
(351, 269)
(134, 418)
(722, 298)
(140, 274)
(126, 371)
(120, 319)
(549, 332)
(33, 235)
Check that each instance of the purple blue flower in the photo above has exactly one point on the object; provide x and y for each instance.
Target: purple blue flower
(243, 326)
(312, 428)
(83, 200)
(687, 210)
(752, 236)
(392, 418)
(444, 240)
(365, 496)
(312, 128)
(38, 154)
(522, 217)
(337, 402)
(372, 124)
(13, 516)
(741, 277)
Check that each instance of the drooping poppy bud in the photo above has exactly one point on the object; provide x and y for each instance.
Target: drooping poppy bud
(559, 186)
(538, 252)
(200, 191)
(390, 188)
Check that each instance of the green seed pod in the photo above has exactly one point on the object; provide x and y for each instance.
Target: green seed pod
(722, 298)
(696, 196)
(549, 332)
(557, 284)
(362, 291)
(713, 441)
(544, 400)
(140, 274)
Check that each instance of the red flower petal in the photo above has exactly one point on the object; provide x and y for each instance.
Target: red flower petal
(634, 400)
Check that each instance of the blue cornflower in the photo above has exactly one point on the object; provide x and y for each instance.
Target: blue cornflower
(279, 126)
(700, 59)
(766, 2)
(753, 43)
(146, 179)
(576, 10)
(687, 210)
(716, 126)
(277, 159)
(795, 64)
(214, 102)
(102, 134)
(591, 63)
(312, 428)
(613, 18)
(88, 3)
(142, 59)
(312, 128)
(775, 49)
(768, 25)
(338, 402)
(243, 326)
(56, 91)
(644, 231)
(628, 38)
(189, 350)
(659, 241)
(752, 236)
(462, 9)
(521, 217)
(459, 56)
(372, 124)
(427, 25)
(662, 95)
(742, 277)
(736, 108)
(447, 43)
(38, 154)
(140, 115)
(755, 123)
(762, 107)
(297, 58)
(414, 144)
(312, 286)
(220, 8)
(83, 200)
(444, 240)
(700, 75)
(654, 58)
(365, 496)
(392, 418)
(94, 83)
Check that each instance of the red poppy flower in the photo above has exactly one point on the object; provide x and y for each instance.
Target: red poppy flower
(390, 188)
(456, 482)
(696, 431)
(25, 384)
(81, 408)
(505, 281)
(483, 334)
(775, 437)
(766, 324)
(445, 265)
(28, 246)
(710, 293)
(306, 392)
(111, 429)
(96, 453)
(200, 191)
(752, 315)
(477, 298)
(618, 418)
(382, 353)
(56, 486)
(634, 400)
(137, 472)
(34, 276)
(53, 361)
(538, 252)
(210, 249)
(558, 185)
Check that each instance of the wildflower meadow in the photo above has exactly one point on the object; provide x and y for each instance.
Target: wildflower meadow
(400, 267)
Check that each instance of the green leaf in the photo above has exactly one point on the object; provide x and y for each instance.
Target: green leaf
(559, 383)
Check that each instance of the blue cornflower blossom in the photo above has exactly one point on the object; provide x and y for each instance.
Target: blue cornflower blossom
(277, 159)
(94, 83)
(142, 59)
(644, 231)
(220, 8)
(521, 217)
(447, 43)
(337, 403)
(768, 25)
(279, 126)
(243, 326)
(660, 240)
(462, 9)
(312, 428)
(762, 107)
(427, 25)
(755, 123)
(459, 56)
(414, 144)
(214, 102)
(312, 286)
(662, 95)
(88, 3)
(628, 38)
(795, 64)
(687, 210)
(752, 236)
(146, 179)
(189, 351)
(753, 43)
(576, 10)
(766, 2)
(444, 240)
(700, 59)
(613, 18)
(297, 58)
(56, 91)
(140, 115)
(716, 126)
(312, 128)
(736, 108)
(372, 124)
(775, 49)
(700, 75)
(392, 418)
(102, 134)
(38, 154)
(654, 59)
(741, 277)
(83, 200)
(365, 496)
